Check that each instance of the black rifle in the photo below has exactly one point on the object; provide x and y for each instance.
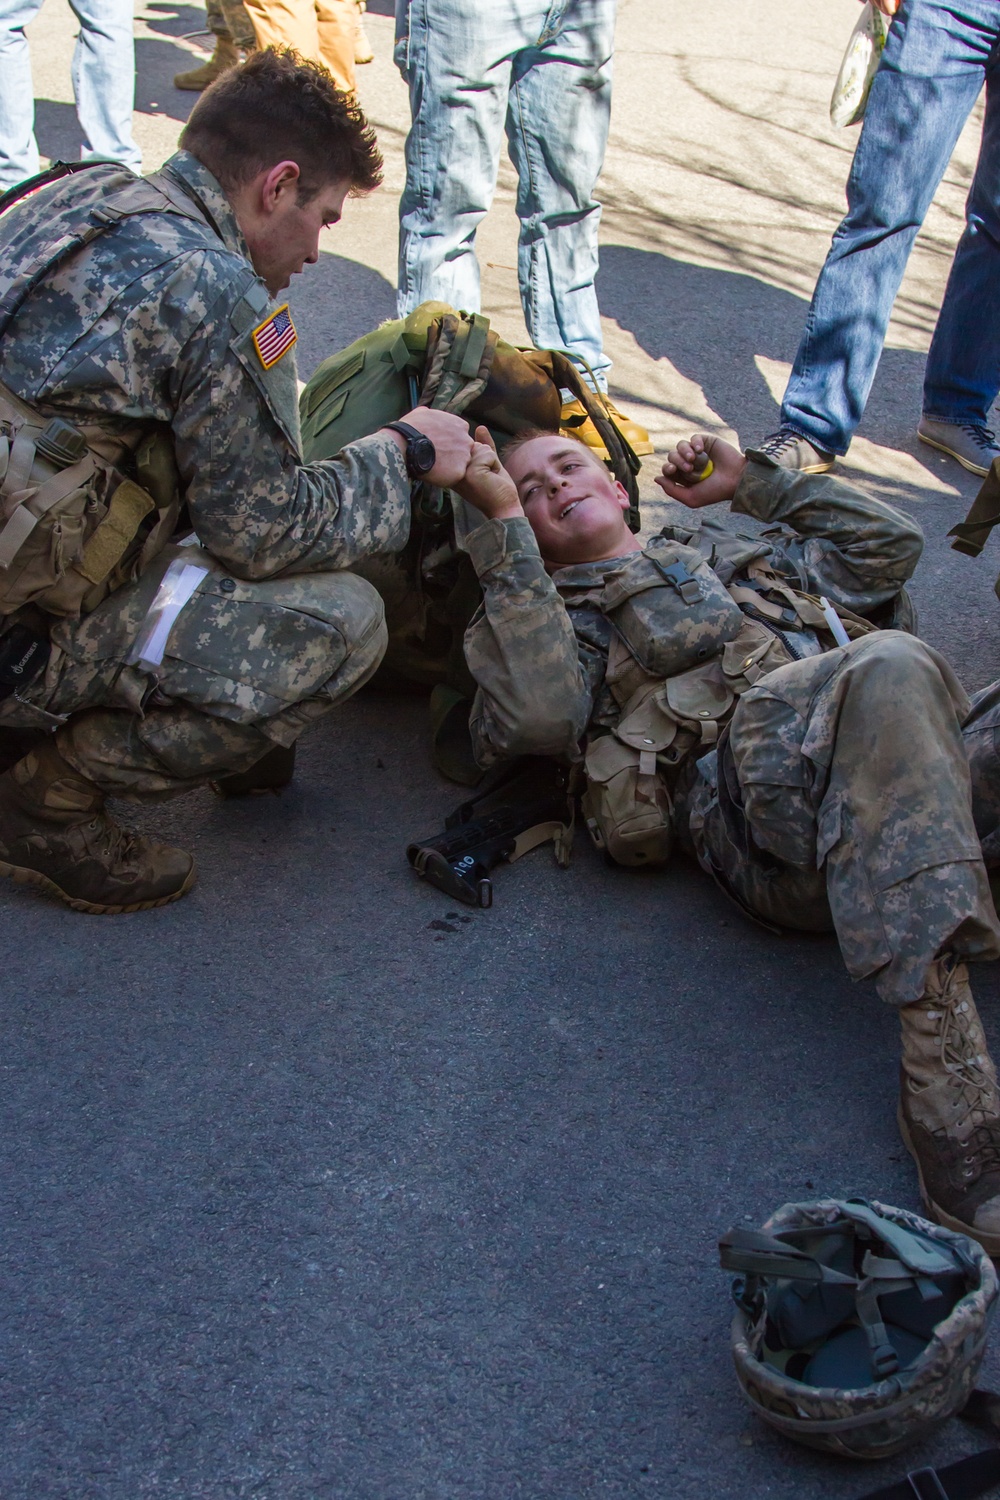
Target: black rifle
(524, 805)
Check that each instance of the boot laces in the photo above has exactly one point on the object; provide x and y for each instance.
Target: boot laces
(116, 845)
(785, 437)
(981, 434)
(969, 1069)
(980, 1152)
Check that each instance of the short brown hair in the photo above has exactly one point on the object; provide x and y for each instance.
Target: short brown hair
(530, 434)
(278, 107)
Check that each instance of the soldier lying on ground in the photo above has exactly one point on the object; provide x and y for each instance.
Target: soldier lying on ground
(144, 315)
(823, 787)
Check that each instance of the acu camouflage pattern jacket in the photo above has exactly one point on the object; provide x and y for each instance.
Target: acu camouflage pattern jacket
(150, 325)
(654, 646)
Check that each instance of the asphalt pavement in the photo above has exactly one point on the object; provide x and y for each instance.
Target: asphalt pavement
(318, 1186)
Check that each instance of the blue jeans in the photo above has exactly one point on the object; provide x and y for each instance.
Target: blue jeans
(542, 69)
(939, 54)
(103, 85)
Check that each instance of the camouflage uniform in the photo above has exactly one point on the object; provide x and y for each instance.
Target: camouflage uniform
(838, 794)
(150, 326)
(229, 19)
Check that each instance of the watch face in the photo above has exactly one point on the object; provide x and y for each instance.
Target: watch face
(421, 455)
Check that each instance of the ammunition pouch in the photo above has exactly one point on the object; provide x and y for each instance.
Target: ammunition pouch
(72, 526)
(626, 807)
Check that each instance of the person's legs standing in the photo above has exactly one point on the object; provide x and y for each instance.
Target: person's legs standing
(557, 126)
(18, 149)
(932, 70)
(286, 23)
(963, 366)
(337, 25)
(104, 80)
(456, 57)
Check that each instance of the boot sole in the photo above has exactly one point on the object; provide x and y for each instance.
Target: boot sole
(817, 468)
(989, 1242)
(943, 448)
(22, 876)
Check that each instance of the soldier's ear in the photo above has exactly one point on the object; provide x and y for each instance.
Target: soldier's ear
(278, 181)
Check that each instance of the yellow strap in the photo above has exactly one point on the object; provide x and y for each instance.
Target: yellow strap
(130, 504)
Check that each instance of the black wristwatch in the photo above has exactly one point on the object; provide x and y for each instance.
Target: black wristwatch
(421, 454)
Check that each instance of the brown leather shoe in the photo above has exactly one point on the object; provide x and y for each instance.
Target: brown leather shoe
(949, 1106)
(56, 836)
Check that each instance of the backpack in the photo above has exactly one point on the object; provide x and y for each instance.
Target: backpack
(453, 361)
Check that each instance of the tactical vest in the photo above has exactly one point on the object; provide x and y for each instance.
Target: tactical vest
(688, 638)
(81, 511)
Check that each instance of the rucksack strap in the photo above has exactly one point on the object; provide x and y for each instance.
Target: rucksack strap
(964, 1480)
(127, 201)
(54, 173)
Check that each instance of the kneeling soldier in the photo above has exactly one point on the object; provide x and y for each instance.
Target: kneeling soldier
(148, 394)
(699, 679)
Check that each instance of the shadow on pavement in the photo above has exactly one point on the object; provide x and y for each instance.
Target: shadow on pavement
(334, 303)
(712, 324)
(156, 62)
(57, 130)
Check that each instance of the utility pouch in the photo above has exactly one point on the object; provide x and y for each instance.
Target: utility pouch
(70, 524)
(627, 807)
(670, 608)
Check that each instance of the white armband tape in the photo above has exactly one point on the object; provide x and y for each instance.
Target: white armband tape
(178, 584)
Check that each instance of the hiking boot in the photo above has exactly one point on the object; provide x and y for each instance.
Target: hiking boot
(949, 1108)
(973, 445)
(226, 55)
(362, 46)
(792, 451)
(576, 423)
(56, 836)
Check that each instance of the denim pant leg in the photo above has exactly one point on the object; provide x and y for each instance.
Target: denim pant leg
(456, 57)
(932, 70)
(18, 149)
(557, 126)
(963, 367)
(104, 80)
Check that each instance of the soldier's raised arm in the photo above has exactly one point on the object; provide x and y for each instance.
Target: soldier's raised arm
(533, 694)
(837, 540)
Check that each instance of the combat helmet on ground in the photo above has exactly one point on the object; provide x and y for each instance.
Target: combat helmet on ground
(859, 1327)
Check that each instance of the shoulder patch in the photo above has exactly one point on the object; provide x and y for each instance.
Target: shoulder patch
(274, 337)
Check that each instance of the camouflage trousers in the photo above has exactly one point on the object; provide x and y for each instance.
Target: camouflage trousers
(247, 666)
(842, 800)
(230, 20)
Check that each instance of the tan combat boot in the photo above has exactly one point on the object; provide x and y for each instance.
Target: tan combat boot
(949, 1107)
(575, 423)
(55, 835)
(362, 46)
(226, 55)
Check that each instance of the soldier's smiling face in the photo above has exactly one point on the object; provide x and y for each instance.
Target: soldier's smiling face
(575, 507)
(281, 231)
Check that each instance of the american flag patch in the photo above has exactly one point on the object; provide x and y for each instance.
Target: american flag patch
(275, 337)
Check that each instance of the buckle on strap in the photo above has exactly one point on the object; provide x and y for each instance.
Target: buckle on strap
(926, 1485)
